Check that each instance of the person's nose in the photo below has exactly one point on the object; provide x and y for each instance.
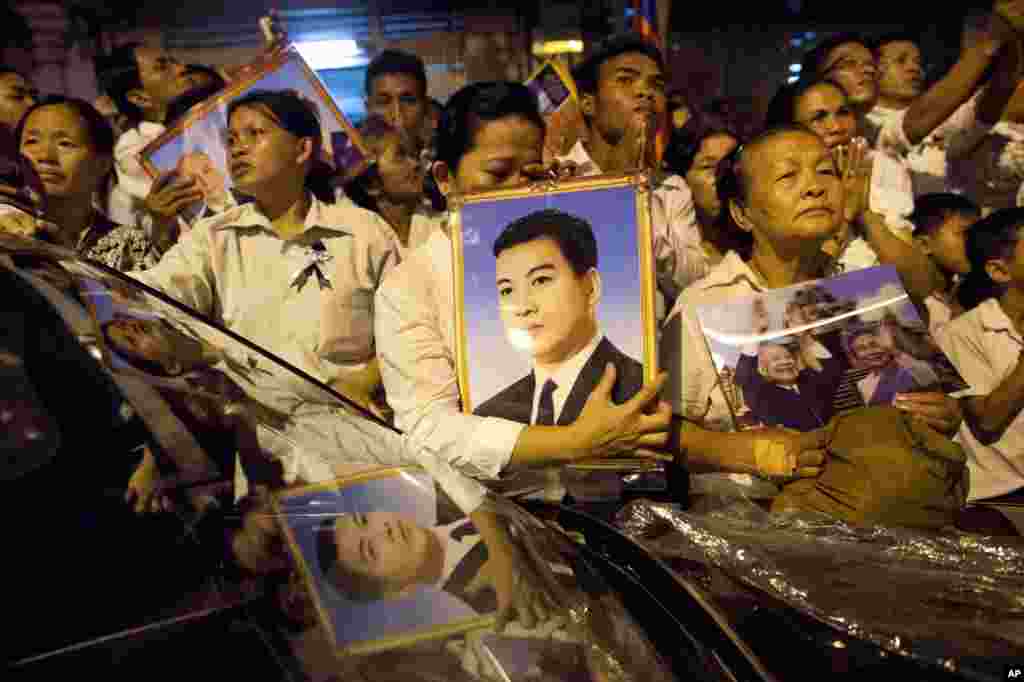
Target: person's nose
(815, 187)
(393, 114)
(524, 304)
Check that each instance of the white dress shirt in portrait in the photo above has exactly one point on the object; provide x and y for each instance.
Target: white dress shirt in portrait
(564, 377)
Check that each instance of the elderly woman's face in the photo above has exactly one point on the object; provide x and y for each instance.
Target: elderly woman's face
(793, 189)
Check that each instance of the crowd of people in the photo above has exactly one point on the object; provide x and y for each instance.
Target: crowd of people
(859, 163)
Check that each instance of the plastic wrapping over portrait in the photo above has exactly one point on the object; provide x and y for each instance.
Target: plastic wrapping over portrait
(944, 599)
(450, 634)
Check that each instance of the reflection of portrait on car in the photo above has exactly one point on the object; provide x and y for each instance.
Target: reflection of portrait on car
(155, 347)
(380, 555)
(549, 289)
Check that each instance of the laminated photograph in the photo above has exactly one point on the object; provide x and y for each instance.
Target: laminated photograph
(388, 559)
(552, 284)
(795, 357)
(195, 146)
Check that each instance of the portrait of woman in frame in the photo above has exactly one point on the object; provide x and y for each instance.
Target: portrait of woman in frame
(388, 560)
(196, 143)
(552, 284)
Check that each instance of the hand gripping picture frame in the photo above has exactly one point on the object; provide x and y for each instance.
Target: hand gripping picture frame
(570, 290)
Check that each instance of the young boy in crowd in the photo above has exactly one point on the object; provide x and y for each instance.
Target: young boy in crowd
(985, 345)
(941, 224)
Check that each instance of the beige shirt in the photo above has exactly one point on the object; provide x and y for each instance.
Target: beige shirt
(985, 347)
(415, 331)
(678, 256)
(236, 269)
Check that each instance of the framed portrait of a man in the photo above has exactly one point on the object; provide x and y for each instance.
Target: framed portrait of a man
(195, 146)
(388, 560)
(552, 284)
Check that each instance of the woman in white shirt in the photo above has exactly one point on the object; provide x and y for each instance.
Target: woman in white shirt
(295, 272)
(823, 107)
(490, 135)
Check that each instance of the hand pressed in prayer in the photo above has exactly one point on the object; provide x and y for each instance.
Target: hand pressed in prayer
(855, 171)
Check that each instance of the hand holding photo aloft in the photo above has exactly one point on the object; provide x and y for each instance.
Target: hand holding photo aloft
(551, 286)
(797, 356)
(388, 558)
(195, 146)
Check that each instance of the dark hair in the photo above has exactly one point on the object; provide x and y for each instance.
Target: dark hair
(814, 59)
(684, 144)
(931, 210)
(588, 74)
(294, 114)
(994, 236)
(354, 586)
(732, 182)
(118, 74)
(180, 105)
(397, 62)
(468, 110)
(782, 108)
(894, 37)
(574, 236)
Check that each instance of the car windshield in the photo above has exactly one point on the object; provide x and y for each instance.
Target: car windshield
(170, 502)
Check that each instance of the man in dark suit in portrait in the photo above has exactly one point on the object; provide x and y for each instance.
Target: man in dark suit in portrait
(370, 556)
(548, 291)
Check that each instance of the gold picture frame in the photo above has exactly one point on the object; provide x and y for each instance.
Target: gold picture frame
(157, 155)
(638, 186)
(283, 504)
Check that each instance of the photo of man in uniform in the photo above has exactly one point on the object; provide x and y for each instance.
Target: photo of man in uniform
(549, 289)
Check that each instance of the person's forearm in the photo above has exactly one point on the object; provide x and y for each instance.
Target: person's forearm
(942, 100)
(919, 275)
(1002, 85)
(543, 446)
(706, 451)
(989, 416)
